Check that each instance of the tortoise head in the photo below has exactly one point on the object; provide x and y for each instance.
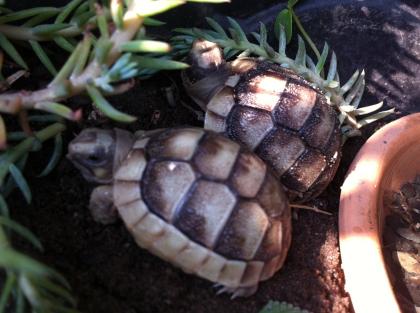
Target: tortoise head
(208, 72)
(98, 152)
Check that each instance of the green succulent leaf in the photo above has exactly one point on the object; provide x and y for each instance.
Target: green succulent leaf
(43, 57)
(216, 26)
(55, 157)
(53, 288)
(4, 208)
(49, 29)
(332, 70)
(284, 18)
(159, 63)
(68, 9)
(24, 14)
(6, 293)
(321, 61)
(8, 47)
(22, 231)
(148, 21)
(106, 108)
(300, 58)
(20, 182)
(241, 36)
(14, 260)
(146, 46)
(281, 307)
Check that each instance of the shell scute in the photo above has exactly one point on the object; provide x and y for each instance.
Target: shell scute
(216, 157)
(165, 186)
(281, 149)
(244, 232)
(206, 211)
(248, 126)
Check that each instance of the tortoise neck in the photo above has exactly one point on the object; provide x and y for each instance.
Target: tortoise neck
(124, 140)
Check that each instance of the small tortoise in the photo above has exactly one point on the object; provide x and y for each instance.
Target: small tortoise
(270, 110)
(193, 198)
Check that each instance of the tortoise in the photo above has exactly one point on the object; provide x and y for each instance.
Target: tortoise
(192, 197)
(270, 110)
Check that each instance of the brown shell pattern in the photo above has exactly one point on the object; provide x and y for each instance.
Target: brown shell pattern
(282, 118)
(203, 203)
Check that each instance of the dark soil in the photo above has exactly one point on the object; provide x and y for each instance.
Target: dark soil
(109, 273)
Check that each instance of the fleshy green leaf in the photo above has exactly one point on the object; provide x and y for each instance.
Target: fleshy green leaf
(374, 117)
(285, 19)
(349, 84)
(70, 7)
(48, 29)
(301, 53)
(146, 46)
(148, 21)
(282, 41)
(263, 36)
(216, 26)
(55, 157)
(283, 307)
(369, 109)
(238, 29)
(23, 14)
(22, 231)
(8, 47)
(117, 13)
(332, 70)
(292, 3)
(7, 291)
(14, 260)
(106, 108)
(20, 182)
(43, 57)
(4, 208)
(54, 288)
(159, 64)
(321, 62)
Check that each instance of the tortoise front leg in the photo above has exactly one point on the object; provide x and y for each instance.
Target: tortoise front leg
(101, 205)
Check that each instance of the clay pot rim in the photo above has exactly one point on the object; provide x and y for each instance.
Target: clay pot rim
(360, 216)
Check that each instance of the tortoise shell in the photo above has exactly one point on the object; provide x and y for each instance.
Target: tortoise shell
(205, 204)
(275, 113)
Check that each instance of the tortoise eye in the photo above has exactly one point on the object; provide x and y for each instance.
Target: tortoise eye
(97, 158)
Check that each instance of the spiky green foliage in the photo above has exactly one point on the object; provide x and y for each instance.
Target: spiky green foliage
(281, 307)
(26, 280)
(344, 97)
(106, 46)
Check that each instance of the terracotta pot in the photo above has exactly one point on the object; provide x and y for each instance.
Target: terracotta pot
(388, 159)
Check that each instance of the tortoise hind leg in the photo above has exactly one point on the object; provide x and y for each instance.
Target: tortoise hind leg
(237, 291)
(101, 205)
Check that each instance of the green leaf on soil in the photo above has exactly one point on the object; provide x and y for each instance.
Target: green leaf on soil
(285, 19)
(20, 182)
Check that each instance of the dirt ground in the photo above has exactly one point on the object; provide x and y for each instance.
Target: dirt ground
(109, 273)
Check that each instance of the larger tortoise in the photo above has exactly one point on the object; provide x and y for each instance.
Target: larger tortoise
(191, 197)
(270, 110)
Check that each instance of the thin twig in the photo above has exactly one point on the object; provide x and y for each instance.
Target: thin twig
(310, 208)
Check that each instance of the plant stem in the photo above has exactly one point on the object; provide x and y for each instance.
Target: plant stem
(15, 153)
(305, 34)
(13, 102)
